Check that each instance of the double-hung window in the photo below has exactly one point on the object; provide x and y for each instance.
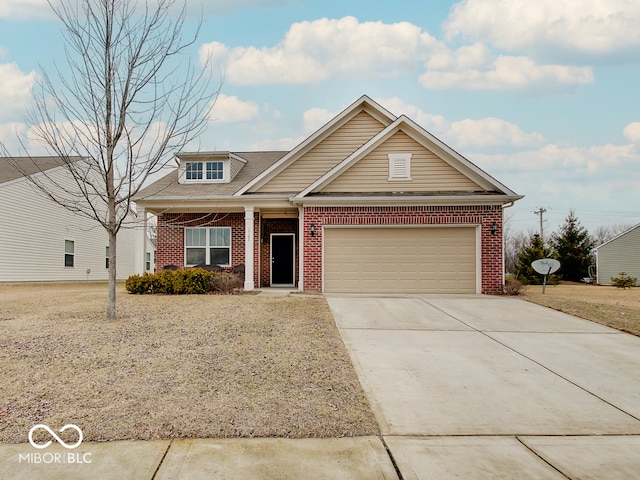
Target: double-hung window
(211, 246)
(215, 170)
(193, 170)
(69, 253)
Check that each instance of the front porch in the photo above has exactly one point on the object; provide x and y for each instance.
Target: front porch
(265, 241)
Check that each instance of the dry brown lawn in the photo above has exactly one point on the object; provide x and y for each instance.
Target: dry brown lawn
(174, 366)
(615, 307)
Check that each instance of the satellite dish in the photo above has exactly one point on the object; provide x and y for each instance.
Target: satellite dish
(546, 266)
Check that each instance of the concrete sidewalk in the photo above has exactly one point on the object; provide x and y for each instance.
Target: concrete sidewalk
(493, 387)
(248, 459)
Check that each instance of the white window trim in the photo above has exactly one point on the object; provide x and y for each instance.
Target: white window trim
(226, 172)
(72, 254)
(207, 247)
(396, 161)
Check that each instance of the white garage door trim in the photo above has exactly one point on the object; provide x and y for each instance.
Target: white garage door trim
(478, 244)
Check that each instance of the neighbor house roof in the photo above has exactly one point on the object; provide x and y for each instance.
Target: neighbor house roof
(618, 236)
(12, 168)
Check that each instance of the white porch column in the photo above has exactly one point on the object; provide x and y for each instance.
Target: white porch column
(249, 253)
(144, 240)
(301, 248)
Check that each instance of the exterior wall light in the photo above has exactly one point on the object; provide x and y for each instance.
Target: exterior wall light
(312, 230)
(494, 228)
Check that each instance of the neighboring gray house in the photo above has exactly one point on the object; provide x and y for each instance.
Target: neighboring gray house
(620, 254)
(42, 241)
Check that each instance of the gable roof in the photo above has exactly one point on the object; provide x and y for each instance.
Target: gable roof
(364, 103)
(13, 168)
(618, 236)
(420, 135)
(363, 132)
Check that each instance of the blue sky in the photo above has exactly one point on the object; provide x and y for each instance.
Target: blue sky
(542, 95)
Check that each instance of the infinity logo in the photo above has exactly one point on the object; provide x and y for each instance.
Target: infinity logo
(45, 427)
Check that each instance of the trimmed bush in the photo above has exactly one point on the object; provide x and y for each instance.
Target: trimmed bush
(139, 284)
(183, 282)
(624, 280)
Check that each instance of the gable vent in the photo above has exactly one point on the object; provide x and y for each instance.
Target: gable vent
(399, 166)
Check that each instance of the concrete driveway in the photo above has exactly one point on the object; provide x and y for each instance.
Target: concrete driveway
(494, 387)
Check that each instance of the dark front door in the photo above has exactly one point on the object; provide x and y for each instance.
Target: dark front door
(283, 265)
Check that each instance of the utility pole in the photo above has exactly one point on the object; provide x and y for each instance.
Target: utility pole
(541, 211)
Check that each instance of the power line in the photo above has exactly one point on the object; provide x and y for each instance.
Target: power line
(540, 212)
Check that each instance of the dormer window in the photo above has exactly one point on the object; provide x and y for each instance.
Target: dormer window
(209, 167)
(215, 170)
(399, 166)
(193, 170)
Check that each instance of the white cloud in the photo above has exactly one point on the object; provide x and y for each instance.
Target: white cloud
(230, 109)
(550, 28)
(433, 123)
(467, 133)
(315, 50)
(315, 118)
(509, 73)
(15, 89)
(10, 134)
(490, 132)
(223, 7)
(567, 160)
(24, 9)
(279, 144)
(632, 132)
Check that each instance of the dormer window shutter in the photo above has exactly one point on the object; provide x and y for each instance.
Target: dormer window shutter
(399, 166)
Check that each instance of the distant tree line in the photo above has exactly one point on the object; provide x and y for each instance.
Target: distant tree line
(572, 245)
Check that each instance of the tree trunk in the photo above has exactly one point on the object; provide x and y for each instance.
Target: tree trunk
(111, 298)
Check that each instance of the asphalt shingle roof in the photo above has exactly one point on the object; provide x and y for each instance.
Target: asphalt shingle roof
(168, 186)
(27, 166)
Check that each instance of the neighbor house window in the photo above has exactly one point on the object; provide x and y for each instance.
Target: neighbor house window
(211, 246)
(106, 257)
(215, 170)
(69, 253)
(399, 166)
(147, 261)
(193, 170)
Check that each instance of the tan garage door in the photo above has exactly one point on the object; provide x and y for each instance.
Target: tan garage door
(400, 259)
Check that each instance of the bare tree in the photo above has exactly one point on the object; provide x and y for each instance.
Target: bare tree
(127, 99)
(513, 243)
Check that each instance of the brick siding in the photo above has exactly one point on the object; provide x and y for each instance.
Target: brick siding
(171, 236)
(491, 249)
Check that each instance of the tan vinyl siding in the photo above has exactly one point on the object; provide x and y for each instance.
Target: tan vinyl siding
(326, 155)
(235, 167)
(429, 173)
(400, 259)
(620, 255)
